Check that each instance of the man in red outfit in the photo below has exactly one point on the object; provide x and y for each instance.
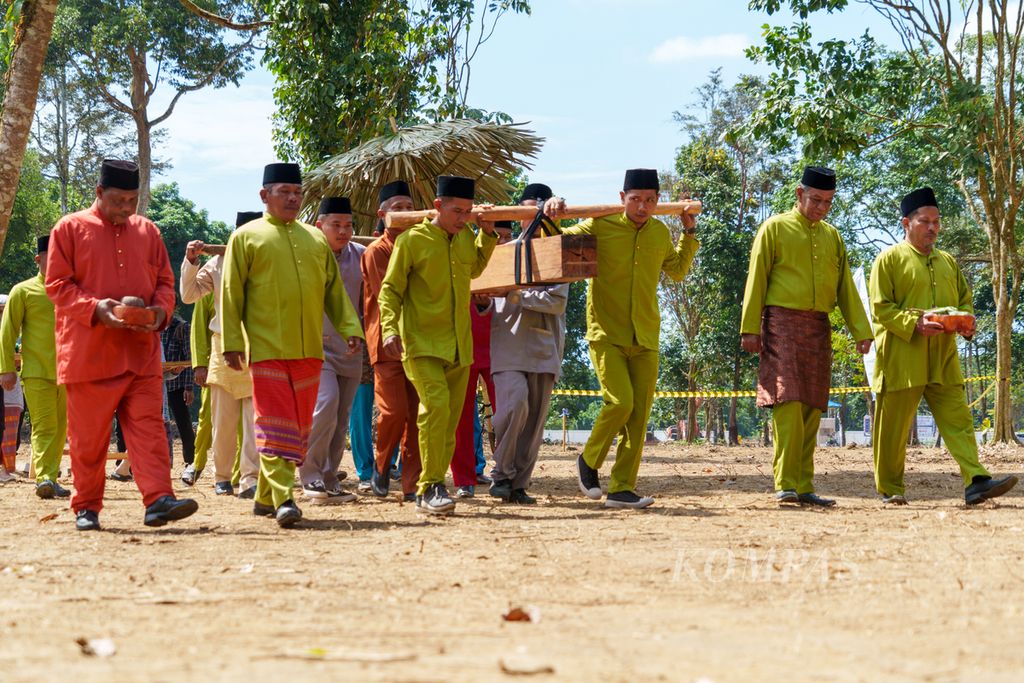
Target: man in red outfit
(97, 257)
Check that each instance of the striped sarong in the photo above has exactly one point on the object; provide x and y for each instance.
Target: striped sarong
(796, 358)
(9, 446)
(283, 398)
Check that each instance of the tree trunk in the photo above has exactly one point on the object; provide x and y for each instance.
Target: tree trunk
(734, 430)
(1002, 425)
(145, 161)
(19, 106)
(691, 406)
(140, 103)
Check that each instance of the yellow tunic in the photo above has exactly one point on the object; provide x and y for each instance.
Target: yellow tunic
(803, 266)
(903, 279)
(622, 301)
(425, 294)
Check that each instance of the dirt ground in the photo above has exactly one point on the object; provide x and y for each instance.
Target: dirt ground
(714, 583)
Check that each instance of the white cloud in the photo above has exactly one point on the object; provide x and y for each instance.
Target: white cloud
(682, 48)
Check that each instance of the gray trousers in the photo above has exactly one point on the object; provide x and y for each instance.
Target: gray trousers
(521, 401)
(330, 427)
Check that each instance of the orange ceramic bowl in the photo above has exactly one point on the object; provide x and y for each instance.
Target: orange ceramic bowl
(135, 316)
(954, 322)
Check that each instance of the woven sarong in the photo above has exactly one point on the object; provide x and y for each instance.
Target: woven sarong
(796, 358)
(12, 415)
(283, 399)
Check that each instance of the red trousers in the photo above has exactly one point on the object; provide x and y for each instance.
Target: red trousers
(464, 460)
(283, 399)
(398, 403)
(139, 402)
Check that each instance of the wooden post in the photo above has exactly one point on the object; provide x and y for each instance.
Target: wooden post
(405, 219)
(565, 429)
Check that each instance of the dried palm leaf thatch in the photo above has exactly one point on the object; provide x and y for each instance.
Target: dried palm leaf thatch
(486, 152)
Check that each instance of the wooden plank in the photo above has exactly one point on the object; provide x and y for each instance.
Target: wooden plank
(405, 219)
(562, 258)
(221, 249)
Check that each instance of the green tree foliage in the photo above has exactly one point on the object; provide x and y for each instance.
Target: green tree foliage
(34, 214)
(347, 72)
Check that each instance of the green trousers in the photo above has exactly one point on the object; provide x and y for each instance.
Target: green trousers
(204, 430)
(628, 375)
(47, 404)
(442, 390)
(276, 481)
(795, 432)
(894, 413)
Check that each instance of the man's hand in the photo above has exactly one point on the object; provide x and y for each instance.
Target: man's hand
(234, 359)
(104, 314)
(7, 380)
(863, 346)
(354, 345)
(485, 225)
(393, 347)
(482, 301)
(689, 221)
(554, 207)
(189, 396)
(751, 343)
(199, 375)
(192, 251)
(928, 327)
(158, 322)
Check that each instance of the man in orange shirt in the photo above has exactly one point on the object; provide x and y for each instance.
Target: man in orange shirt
(97, 257)
(396, 397)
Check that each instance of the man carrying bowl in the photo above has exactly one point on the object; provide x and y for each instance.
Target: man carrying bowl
(918, 357)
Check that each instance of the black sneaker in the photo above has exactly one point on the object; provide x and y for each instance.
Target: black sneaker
(587, 479)
(261, 510)
(87, 520)
(314, 489)
(815, 499)
(247, 494)
(396, 474)
(483, 479)
(288, 514)
(410, 498)
(379, 483)
(984, 488)
(169, 509)
(223, 488)
(60, 491)
(120, 477)
(45, 489)
(627, 499)
(436, 500)
(501, 488)
(520, 497)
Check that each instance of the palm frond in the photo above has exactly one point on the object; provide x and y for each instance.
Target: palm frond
(486, 152)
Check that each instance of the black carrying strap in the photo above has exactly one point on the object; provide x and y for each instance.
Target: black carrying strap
(524, 246)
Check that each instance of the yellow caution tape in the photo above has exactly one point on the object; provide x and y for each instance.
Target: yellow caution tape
(734, 394)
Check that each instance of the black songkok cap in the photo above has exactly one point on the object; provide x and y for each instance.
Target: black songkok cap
(282, 173)
(924, 196)
(504, 225)
(122, 175)
(538, 191)
(819, 177)
(641, 179)
(42, 243)
(243, 217)
(396, 188)
(335, 205)
(455, 186)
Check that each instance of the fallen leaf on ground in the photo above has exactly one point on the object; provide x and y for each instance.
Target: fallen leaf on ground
(50, 517)
(524, 667)
(530, 613)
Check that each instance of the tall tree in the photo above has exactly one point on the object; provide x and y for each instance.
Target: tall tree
(34, 213)
(348, 72)
(954, 83)
(125, 49)
(30, 29)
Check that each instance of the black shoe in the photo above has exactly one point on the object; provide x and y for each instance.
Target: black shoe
(248, 494)
(379, 483)
(627, 499)
(519, 497)
(288, 514)
(224, 488)
(815, 499)
(120, 477)
(87, 520)
(45, 489)
(410, 497)
(483, 479)
(983, 488)
(60, 491)
(501, 488)
(787, 497)
(894, 499)
(261, 510)
(436, 500)
(169, 509)
(587, 479)
(395, 474)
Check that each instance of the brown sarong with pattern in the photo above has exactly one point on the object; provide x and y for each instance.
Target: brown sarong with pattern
(796, 358)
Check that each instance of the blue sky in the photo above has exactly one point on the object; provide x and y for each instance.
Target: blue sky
(599, 79)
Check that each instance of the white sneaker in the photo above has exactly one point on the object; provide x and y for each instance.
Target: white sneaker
(627, 499)
(364, 486)
(338, 495)
(315, 489)
(5, 476)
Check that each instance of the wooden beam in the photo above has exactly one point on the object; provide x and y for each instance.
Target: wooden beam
(221, 249)
(563, 258)
(405, 219)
